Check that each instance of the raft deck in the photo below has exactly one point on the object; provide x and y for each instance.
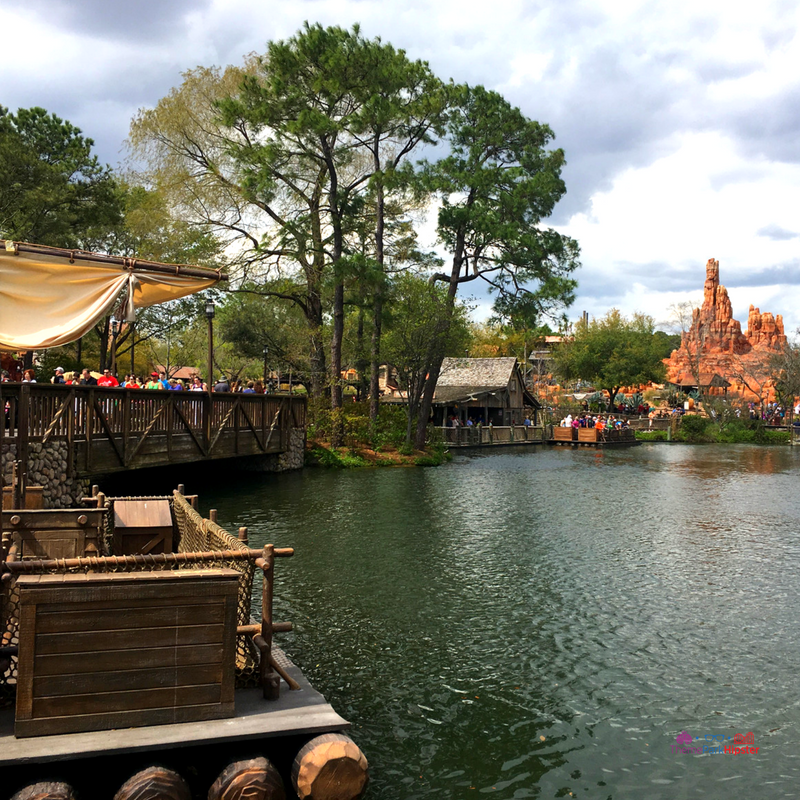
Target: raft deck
(300, 712)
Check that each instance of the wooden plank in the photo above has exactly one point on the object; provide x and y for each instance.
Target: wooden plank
(121, 719)
(142, 513)
(126, 640)
(111, 702)
(64, 620)
(190, 655)
(54, 685)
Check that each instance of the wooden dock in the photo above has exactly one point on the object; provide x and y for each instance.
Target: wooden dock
(592, 437)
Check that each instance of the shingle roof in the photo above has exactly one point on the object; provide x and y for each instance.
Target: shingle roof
(481, 374)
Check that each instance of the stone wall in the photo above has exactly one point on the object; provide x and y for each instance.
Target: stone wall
(48, 467)
(292, 458)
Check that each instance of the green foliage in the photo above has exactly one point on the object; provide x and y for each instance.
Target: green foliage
(696, 429)
(497, 183)
(612, 352)
(53, 190)
(333, 457)
(421, 323)
(651, 436)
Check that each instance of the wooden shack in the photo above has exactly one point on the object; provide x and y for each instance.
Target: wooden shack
(487, 390)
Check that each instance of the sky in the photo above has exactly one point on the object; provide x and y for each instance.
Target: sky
(680, 121)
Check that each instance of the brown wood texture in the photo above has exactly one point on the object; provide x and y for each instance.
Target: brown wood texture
(125, 649)
(330, 767)
(56, 533)
(563, 434)
(154, 783)
(34, 497)
(588, 434)
(255, 779)
(45, 791)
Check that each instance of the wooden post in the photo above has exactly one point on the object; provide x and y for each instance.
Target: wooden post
(212, 515)
(256, 779)
(270, 680)
(243, 535)
(126, 425)
(181, 489)
(23, 434)
(330, 767)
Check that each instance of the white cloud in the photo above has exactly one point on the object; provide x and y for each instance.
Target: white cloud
(680, 121)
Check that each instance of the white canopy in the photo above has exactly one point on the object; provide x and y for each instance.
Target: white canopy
(49, 297)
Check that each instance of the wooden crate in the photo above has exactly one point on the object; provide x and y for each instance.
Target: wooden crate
(563, 434)
(56, 533)
(100, 651)
(588, 435)
(142, 526)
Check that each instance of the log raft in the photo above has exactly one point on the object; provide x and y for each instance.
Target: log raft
(64, 594)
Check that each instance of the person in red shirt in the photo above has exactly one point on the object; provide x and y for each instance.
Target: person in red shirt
(108, 379)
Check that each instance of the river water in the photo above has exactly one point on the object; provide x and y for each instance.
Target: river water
(545, 623)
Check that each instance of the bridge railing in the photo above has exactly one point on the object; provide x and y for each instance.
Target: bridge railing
(125, 418)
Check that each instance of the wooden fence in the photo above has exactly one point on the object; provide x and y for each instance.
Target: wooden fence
(489, 435)
(113, 429)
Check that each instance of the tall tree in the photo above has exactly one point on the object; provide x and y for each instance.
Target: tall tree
(416, 310)
(496, 185)
(345, 108)
(613, 352)
(53, 191)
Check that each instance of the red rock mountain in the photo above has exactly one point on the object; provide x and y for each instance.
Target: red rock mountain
(715, 344)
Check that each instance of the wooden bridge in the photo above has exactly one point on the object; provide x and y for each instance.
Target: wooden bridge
(107, 430)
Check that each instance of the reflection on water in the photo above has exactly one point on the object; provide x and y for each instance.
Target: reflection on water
(535, 624)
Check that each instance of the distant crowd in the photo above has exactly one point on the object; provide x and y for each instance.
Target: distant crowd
(599, 422)
(158, 381)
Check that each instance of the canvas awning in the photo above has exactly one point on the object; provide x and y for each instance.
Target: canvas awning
(50, 296)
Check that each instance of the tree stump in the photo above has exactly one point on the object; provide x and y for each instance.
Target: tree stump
(330, 767)
(45, 791)
(154, 783)
(255, 779)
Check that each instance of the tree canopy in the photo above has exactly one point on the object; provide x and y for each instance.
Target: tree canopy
(613, 352)
(54, 191)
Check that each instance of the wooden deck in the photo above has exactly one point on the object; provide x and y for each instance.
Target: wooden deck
(109, 430)
(295, 712)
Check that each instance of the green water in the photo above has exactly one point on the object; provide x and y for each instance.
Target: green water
(539, 623)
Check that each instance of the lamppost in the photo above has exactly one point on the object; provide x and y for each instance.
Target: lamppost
(114, 329)
(266, 353)
(210, 316)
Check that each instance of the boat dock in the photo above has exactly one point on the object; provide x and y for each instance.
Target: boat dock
(592, 437)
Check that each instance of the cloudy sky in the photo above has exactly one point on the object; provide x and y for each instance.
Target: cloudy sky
(680, 121)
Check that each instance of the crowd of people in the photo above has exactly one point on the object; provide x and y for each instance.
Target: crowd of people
(598, 421)
(158, 381)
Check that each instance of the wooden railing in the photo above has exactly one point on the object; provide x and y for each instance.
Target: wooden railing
(108, 429)
(474, 436)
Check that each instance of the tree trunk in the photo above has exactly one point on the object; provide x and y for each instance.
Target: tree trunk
(375, 362)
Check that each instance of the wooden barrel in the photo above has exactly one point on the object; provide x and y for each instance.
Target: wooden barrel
(330, 767)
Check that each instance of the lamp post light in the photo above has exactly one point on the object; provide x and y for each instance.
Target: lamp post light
(266, 353)
(210, 316)
(114, 330)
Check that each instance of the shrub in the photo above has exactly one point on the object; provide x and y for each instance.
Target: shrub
(651, 436)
